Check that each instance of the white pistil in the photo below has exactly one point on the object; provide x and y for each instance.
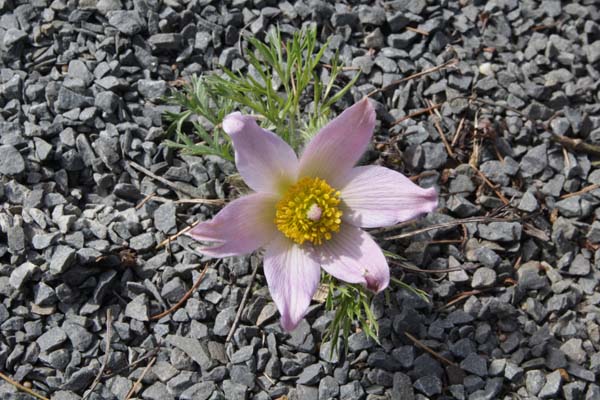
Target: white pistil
(314, 212)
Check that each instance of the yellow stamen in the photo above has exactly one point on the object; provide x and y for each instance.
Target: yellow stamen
(309, 211)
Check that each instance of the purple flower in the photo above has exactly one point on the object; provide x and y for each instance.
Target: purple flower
(308, 213)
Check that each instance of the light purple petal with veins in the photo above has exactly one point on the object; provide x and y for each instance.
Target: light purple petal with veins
(243, 226)
(293, 277)
(340, 144)
(264, 160)
(377, 196)
(353, 256)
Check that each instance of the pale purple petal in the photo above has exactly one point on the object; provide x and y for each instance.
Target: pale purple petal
(340, 144)
(353, 256)
(264, 160)
(293, 277)
(241, 227)
(377, 196)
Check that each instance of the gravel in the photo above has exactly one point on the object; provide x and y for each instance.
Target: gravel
(11, 161)
(82, 86)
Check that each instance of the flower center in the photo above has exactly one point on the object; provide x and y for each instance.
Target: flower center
(309, 211)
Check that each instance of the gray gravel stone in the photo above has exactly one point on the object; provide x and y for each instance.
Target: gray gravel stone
(199, 391)
(51, 339)
(127, 22)
(223, 321)
(475, 364)
(20, 275)
(152, 90)
(138, 308)
(594, 233)
(513, 372)
(402, 387)
(242, 355)
(352, 390)
(429, 385)
(43, 294)
(487, 257)
(534, 161)
(195, 349)
(328, 388)
(165, 41)
(372, 15)
(143, 242)
(435, 155)
(574, 351)
(106, 101)
(500, 231)
(552, 386)
(157, 391)
(580, 266)
(43, 240)
(534, 381)
(62, 259)
(80, 379)
(165, 218)
(531, 277)
(13, 36)
(11, 161)
(80, 338)
(593, 51)
(234, 390)
(310, 375)
(483, 277)
(528, 202)
(69, 100)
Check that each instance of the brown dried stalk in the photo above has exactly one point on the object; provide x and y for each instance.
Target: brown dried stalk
(183, 299)
(21, 387)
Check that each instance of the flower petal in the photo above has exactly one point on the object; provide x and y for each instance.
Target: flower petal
(340, 144)
(241, 227)
(353, 256)
(376, 196)
(293, 277)
(263, 159)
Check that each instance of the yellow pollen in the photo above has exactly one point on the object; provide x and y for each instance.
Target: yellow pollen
(309, 211)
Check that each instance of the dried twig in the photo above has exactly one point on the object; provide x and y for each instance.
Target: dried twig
(415, 114)
(490, 103)
(21, 387)
(491, 185)
(573, 144)
(242, 305)
(423, 174)
(106, 355)
(577, 145)
(474, 158)
(216, 202)
(134, 389)
(429, 350)
(145, 200)
(140, 360)
(458, 131)
(462, 296)
(438, 127)
(582, 191)
(329, 66)
(164, 181)
(447, 64)
(417, 30)
(184, 298)
(430, 271)
(175, 236)
(450, 224)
